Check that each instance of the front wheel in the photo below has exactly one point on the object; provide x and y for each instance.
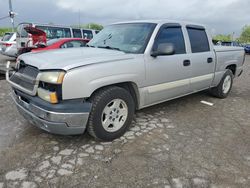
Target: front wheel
(224, 87)
(112, 113)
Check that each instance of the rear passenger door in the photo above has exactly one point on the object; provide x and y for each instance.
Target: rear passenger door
(202, 58)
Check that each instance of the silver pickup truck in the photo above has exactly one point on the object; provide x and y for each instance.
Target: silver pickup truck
(126, 67)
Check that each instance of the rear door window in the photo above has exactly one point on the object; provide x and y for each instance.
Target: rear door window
(198, 40)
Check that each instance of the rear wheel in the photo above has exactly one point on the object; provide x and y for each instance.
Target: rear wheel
(112, 113)
(224, 87)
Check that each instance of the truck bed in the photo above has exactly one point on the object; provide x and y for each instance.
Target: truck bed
(227, 48)
(228, 56)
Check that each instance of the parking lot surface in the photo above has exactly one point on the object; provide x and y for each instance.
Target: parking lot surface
(181, 143)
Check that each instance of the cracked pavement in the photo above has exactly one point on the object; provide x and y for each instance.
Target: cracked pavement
(181, 143)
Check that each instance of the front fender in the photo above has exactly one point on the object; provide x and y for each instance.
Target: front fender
(83, 81)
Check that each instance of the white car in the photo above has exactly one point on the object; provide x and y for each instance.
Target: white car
(8, 45)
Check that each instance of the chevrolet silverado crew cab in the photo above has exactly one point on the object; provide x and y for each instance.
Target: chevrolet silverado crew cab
(126, 67)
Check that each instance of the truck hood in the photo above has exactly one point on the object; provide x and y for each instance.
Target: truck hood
(67, 59)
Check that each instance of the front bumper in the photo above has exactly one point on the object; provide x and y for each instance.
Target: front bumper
(64, 119)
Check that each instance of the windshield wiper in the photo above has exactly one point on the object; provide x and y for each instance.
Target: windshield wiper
(109, 47)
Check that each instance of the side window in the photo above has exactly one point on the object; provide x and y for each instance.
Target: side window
(67, 45)
(77, 33)
(78, 43)
(73, 44)
(55, 32)
(172, 35)
(87, 34)
(198, 40)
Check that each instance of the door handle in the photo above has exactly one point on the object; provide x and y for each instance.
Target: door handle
(209, 60)
(186, 63)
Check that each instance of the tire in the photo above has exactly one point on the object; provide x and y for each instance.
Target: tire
(115, 100)
(221, 91)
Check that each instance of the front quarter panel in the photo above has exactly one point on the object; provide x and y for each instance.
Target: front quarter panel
(81, 82)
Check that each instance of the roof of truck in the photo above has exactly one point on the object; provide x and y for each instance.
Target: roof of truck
(161, 21)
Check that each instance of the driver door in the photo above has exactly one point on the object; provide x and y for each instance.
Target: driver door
(168, 76)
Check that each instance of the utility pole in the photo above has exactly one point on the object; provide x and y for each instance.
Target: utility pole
(233, 36)
(79, 19)
(12, 15)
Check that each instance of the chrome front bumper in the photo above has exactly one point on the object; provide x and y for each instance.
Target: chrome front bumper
(63, 123)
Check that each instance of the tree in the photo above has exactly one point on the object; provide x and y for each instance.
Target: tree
(94, 26)
(223, 38)
(245, 35)
(4, 30)
(89, 26)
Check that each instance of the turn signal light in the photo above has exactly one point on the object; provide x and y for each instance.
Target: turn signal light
(53, 98)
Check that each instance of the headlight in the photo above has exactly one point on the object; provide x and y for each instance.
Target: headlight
(50, 86)
(53, 77)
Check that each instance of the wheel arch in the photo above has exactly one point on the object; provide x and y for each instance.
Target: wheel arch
(130, 86)
(232, 67)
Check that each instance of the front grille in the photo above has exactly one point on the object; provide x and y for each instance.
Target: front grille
(25, 76)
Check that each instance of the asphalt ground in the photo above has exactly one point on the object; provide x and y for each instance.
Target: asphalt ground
(181, 143)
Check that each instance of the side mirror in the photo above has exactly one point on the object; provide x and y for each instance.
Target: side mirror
(163, 49)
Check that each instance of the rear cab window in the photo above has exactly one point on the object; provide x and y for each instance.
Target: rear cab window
(198, 39)
(174, 35)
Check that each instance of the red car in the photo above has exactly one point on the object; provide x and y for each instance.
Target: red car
(62, 43)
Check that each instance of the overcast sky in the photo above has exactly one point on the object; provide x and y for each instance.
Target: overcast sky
(222, 16)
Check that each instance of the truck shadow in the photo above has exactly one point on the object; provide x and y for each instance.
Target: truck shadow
(171, 106)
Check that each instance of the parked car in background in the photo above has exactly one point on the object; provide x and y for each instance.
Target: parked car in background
(29, 34)
(8, 44)
(62, 43)
(231, 43)
(127, 66)
(247, 48)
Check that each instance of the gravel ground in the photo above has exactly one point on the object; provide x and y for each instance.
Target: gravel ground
(181, 143)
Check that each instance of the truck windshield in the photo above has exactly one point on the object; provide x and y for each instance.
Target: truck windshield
(129, 38)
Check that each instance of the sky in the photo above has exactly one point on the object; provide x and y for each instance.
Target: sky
(221, 16)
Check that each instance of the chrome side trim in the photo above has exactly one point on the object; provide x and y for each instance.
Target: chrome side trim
(179, 83)
(166, 86)
(202, 78)
(162, 101)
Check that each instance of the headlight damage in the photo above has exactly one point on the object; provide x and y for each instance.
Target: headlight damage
(50, 86)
